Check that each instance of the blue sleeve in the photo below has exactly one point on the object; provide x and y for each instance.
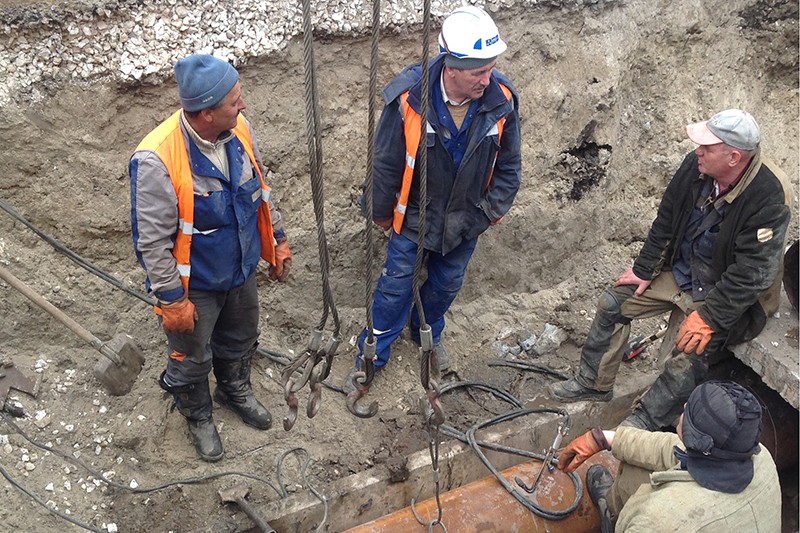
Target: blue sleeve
(390, 150)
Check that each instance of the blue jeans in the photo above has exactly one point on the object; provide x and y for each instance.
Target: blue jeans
(394, 295)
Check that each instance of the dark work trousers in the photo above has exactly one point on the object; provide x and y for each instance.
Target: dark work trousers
(608, 336)
(226, 329)
(394, 294)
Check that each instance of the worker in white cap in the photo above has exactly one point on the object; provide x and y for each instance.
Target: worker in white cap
(473, 174)
(712, 258)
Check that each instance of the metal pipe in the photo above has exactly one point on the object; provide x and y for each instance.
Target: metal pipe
(485, 506)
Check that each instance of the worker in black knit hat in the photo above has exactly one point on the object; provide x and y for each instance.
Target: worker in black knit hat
(713, 476)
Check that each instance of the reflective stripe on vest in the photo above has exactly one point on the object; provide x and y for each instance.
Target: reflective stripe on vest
(413, 131)
(167, 142)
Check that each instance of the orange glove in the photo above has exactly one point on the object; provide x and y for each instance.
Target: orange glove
(581, 449)
(385, 225)
(178, 316)
(694, 334)
(283, 262)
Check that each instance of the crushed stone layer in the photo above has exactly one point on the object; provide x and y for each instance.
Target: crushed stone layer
(130, 41)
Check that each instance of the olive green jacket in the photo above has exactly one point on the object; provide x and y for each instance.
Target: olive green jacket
(674, 502)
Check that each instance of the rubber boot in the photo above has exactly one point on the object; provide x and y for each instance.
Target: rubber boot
(598, 482)
(234, 391)
(442, 358)
(194, 402)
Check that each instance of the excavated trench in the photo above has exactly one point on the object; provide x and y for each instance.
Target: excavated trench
(605, 89)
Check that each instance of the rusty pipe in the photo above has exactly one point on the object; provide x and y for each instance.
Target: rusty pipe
(485, 506)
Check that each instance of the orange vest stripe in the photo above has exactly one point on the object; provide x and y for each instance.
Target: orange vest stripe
(167, 141)
(413, 134)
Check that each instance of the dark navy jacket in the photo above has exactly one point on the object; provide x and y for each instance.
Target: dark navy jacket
(459, 206)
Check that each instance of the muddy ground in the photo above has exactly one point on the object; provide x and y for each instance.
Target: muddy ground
(605, 92)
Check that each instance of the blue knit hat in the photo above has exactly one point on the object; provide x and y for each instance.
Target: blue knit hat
(203, 81)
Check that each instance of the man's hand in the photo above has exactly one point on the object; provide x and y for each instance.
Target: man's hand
(694, 335)
(385, 225)
(178, 316)
(582, 448)
(629, 278)
(283, 262)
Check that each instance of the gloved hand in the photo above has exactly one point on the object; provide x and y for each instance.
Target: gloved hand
(385, 225)
(178, 316)
(582, 448)
(694, 335)
(283, 262)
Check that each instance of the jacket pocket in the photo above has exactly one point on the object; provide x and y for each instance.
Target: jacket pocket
(248, 199)
(211, 211)
(478, 223)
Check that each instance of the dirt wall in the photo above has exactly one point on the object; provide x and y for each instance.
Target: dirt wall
(605, 89)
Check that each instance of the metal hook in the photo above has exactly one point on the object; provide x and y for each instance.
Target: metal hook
(291, 401)
(437, 412)
(355, 396)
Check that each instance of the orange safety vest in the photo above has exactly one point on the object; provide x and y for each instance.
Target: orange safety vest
(167, 141)
(413, 134)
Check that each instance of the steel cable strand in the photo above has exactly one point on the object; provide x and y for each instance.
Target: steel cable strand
(313, 373)
(369, 182)
(314, 142)
(363, 377)
(431, 386)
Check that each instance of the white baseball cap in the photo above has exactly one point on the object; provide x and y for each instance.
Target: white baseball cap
(733, 127)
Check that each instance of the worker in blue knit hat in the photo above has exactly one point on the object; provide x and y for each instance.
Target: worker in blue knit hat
(202, 219)
(712, 476)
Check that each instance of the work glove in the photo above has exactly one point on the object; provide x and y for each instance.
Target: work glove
(178, 316)
(582, 448)
(385, 225)
(694, 335)
(283, 262)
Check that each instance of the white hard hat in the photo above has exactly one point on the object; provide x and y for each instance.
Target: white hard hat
(470, 37)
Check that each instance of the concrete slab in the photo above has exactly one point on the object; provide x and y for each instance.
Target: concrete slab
(774, 354)
(368, 495)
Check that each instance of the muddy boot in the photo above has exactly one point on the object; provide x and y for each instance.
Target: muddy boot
(442, 359)
(598, 482)
(233, 390)
(194, 402)
(572, 391)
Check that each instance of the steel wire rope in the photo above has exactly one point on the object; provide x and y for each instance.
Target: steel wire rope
(314, 144)
(422, 157)
(434, 421)
(369, 181)
(280, 489)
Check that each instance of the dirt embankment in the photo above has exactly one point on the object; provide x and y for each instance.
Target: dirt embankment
(605, 91)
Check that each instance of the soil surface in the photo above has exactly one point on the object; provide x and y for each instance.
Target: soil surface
(605, 93)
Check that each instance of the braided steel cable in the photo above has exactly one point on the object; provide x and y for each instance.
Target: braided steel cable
(314, 144)
(369, 181)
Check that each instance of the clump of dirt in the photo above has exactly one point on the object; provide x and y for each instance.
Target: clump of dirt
(605, 92)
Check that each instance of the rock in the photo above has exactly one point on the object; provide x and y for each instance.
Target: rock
(551, 338)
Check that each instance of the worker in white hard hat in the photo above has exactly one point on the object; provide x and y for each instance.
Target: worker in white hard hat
(473, 174)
